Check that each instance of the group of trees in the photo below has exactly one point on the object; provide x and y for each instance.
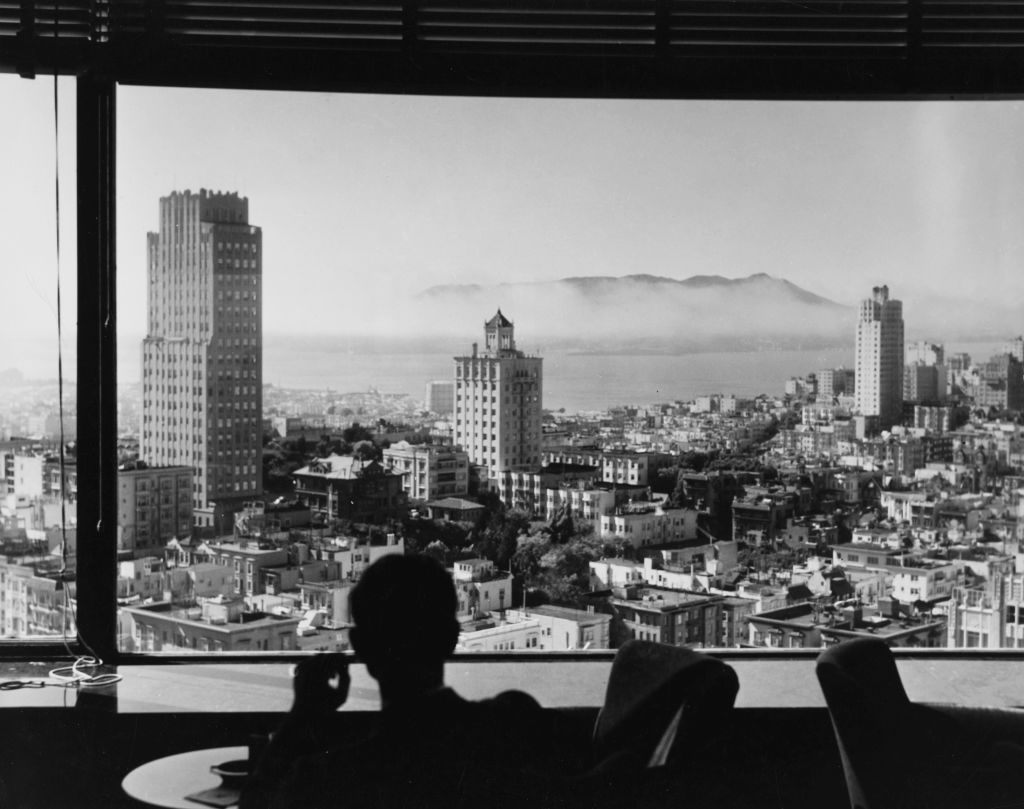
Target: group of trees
(550, 560)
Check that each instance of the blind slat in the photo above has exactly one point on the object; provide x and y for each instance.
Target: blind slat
(121, 35)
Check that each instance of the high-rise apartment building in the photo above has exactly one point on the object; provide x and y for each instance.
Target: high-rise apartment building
(498, 396)
(202, 357)
(879, 358)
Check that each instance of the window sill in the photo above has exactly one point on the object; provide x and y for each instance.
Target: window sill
(265, 687)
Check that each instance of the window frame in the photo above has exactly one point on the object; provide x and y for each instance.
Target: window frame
(154, 59)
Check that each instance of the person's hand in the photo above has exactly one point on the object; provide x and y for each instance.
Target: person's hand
(321, 684)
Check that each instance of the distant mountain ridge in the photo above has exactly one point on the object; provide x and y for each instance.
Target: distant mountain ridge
(601, 283)
(657, 314)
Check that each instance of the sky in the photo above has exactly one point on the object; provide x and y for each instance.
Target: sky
(366, 200)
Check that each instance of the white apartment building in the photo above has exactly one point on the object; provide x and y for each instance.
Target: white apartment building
(498, 400)
(564, 629)
(500, 637)
(583, 503)
(429, 472)
(629, 467)
(480, 588)
(927, 583)
(879, 358)
(649, 524)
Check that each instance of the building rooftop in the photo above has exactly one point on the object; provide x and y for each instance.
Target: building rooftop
(618, 560)
(193, 616)
(658, 599)
(456, 503)
(872, 547)
(342, 467)
(569, 613)
(498, 320)
(251, 548)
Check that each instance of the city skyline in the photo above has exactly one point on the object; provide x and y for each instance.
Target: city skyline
(375, 198)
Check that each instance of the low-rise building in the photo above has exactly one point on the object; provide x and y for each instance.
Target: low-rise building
(214, 625)
(429, 471)
(331, 598)
(346, 487)
(154, 506)
(692, 620)
(352, 556)
(490, 635)
(456, 509)
(925, 581)
(988, 615)
(526, 490)
(628, 468)
(812, 625)
(34, 601)
(141, 579)
(480, 589)
(866, 554)
(761, 514)
(643, 524)
(246, 560)
(564, 629)
(585, 501)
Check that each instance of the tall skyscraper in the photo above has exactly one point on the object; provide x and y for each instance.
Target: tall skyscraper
(498, 400)
(202, 358)
(879, 361)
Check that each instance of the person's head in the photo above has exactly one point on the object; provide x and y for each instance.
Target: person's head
(403, 608)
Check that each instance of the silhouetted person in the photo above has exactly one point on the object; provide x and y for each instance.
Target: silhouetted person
(431, 748)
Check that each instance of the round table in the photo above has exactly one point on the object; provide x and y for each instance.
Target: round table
(166, 781)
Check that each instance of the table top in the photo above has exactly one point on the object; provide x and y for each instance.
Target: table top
(166, 781)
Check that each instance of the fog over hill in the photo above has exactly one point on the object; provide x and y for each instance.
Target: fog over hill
(631, 314)
(654, 313)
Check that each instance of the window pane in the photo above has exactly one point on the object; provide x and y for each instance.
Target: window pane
(710, 373)
(37, 499)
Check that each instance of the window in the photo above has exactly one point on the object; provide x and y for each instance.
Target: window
(231, 75)
(31, 424)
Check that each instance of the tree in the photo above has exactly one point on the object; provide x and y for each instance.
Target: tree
(695, 460)
(366, 451)
(666, 479)
(561, 525)
(498, 540)
(526, 561)
(356, 433)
